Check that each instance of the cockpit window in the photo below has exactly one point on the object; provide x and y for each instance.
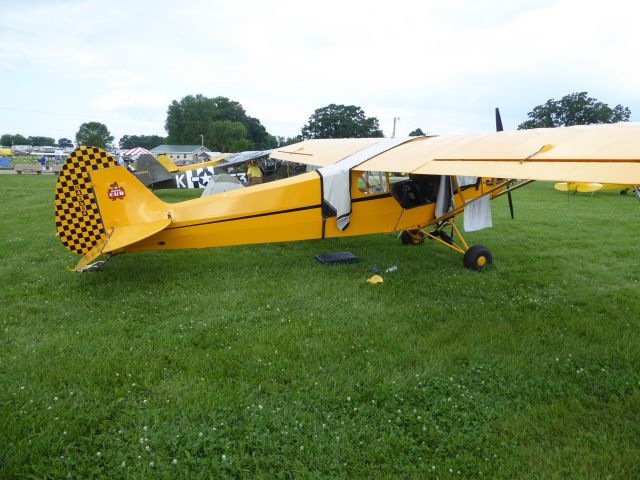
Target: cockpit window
(371, 183)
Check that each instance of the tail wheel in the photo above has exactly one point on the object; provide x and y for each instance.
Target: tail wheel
(411, 237)
(477, 257)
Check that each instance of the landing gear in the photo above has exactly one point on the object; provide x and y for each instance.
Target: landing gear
(411, 237)
(477, 257)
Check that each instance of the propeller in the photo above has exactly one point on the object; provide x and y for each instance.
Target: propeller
(499, 128)
(498, 121)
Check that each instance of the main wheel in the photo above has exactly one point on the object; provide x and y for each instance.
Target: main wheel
(477, 257)
(411, 237)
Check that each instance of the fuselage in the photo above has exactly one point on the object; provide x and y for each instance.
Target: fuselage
(291, 209)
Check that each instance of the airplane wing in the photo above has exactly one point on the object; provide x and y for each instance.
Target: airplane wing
(593, 153)
(324, 152)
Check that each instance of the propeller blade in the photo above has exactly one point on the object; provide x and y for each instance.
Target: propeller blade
(499, 128)
(498, 121)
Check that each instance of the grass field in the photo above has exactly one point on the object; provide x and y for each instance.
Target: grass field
(259, 362)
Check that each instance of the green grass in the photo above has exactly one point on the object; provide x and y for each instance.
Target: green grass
(259, 362)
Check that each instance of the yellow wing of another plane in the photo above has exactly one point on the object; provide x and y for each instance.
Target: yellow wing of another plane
(209, 163)
(589, 187)
(167, 163)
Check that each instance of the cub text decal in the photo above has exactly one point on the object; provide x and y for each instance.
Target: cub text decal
(115, 192)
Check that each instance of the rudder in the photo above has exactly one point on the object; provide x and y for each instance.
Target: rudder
(79, 224)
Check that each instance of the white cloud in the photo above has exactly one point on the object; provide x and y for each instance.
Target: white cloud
(127, 100)
(441, 66)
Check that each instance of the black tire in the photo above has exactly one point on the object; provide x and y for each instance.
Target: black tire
(477, 257)
(409, 237)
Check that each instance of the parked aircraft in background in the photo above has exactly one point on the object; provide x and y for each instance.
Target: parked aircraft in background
(161, 172)
(590, 187)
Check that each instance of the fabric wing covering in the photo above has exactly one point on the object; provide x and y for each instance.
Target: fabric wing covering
(241, 157)
(593, 153)
(322, 152)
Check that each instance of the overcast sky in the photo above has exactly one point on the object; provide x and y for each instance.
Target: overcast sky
(442, 66)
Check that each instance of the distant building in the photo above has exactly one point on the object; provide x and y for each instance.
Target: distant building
(180, 154)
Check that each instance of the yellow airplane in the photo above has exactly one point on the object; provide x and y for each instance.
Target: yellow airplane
(590, 187)
(102, 209)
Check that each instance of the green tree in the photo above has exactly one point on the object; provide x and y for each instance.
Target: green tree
(228, 136)
(94, 134)
(194, 115)
(341, 121)
(7, 139)
(282, 141)
(41, 141)
(574, 109)
(270, 142)
(417, 133)
(65, 143)
(20, 140)
(144, 141)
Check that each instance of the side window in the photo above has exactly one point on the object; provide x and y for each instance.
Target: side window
(371, 183)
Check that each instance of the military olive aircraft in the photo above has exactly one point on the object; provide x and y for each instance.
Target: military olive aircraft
(161, 172)
(357, 189)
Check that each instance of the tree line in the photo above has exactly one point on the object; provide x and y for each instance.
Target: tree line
(223, 125)
(35, 141)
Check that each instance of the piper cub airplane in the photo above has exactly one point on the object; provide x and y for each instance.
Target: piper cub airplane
(102, 209)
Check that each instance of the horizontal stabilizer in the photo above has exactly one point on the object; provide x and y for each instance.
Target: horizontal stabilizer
(130, 234)
(120, 237)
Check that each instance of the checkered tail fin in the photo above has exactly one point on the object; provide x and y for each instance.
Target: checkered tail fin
(79, 225)
(102, 208)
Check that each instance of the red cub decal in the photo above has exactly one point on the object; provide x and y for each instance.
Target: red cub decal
(116, 192)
